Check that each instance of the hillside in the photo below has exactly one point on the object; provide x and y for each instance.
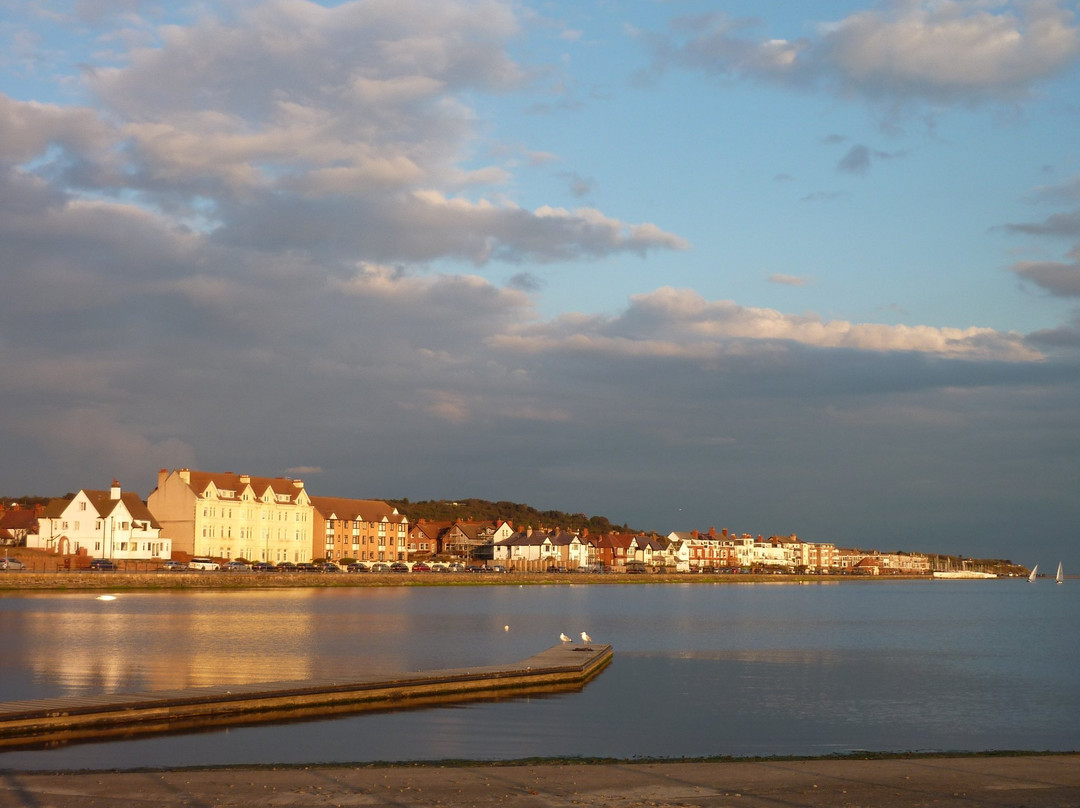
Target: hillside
(521, 516)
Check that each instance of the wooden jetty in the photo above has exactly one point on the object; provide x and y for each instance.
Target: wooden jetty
(50, 722)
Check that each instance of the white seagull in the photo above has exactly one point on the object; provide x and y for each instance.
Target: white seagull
(585, 637)
(564, 638)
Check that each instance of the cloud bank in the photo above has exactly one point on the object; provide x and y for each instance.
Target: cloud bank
(267, 237)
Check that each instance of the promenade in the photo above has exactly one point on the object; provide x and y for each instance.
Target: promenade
(1043, 781)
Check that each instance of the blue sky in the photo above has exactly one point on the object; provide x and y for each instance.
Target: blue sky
(777, 267)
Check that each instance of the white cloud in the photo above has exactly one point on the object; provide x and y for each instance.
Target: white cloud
(681, 323)
(937, 51)
(781, 279)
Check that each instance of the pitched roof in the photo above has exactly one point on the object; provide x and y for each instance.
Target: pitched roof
(21, 519)
(357, 510)
(104, 504)
(230, 481)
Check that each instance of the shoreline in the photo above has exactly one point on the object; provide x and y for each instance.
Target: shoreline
(21, 581)
(1004, 780)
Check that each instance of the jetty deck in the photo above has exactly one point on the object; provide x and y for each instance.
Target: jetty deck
(47, 722)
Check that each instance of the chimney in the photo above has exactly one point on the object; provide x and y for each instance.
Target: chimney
(185, 475)
(712, 532)
(245, 479)
(114, 492)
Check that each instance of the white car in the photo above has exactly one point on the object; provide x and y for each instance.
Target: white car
(203, 564)
(11, 564)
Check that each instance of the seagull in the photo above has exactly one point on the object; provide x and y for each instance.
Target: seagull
(585, 637)
(564, 638)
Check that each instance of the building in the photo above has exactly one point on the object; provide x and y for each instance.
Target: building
(466, 539)
(539, 550)
(17, 522)
(474, 540)
(360, 529)
(424, 538)
(612, 551)
(112, 524)
(226, 515)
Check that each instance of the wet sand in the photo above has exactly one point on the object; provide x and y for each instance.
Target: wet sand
(1037, 781)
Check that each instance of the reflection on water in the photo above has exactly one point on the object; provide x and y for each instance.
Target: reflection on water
(699, 670)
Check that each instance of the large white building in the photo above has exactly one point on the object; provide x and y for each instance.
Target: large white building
(112, 524)
(225, 515)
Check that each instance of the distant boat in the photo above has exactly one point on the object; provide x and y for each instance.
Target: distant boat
(1060, 575)
(1034, 570)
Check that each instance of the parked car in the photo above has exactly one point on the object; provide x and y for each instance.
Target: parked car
(203, 564)
(457, 566)
(329, 566)
(7, 563)
(421, 566)
(103, 564)
(286, 566)
(306, 566)
(399, 566)
(174, 566)
(439, 566)
(236, 566)
(380, 566)
(359, 566)
(263, 566)
(499, 568)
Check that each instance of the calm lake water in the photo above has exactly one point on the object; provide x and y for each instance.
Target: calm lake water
(727, 669)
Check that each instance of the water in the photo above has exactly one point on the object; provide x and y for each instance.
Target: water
(730, 669)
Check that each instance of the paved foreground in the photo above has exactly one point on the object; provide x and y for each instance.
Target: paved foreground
(967, 782)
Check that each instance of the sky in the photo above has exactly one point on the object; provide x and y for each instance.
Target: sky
(780, 267)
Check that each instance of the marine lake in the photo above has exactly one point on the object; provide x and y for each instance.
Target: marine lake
(699, 669)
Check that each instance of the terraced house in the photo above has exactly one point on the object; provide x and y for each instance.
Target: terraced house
(362, 529)
(227, 515)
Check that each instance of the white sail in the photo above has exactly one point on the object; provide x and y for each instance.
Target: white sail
(1034, 570)
(1060, 575)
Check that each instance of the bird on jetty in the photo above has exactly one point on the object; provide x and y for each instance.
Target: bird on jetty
(564, 638)
(585, 637)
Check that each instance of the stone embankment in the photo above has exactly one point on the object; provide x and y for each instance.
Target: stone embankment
(150, 580)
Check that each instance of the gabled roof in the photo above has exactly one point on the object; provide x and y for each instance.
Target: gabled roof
(55, 509)
(357, 510)
(21, 519)
(200, 481)
(430, 529)
(472, 530)
(614, 540)
(104, 504)
(525, 539)
(651, 543)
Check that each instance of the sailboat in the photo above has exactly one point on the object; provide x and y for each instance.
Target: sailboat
(1060, 578)
(1034, 572)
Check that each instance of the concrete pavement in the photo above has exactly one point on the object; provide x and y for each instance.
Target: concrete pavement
(1042, 781)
